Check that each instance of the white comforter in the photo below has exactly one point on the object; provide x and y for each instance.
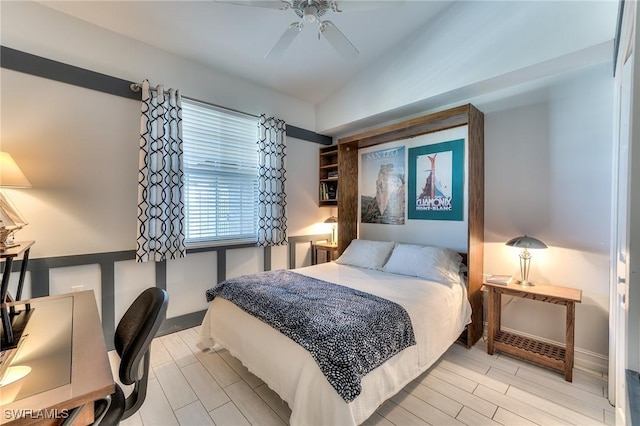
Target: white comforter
(438, 314)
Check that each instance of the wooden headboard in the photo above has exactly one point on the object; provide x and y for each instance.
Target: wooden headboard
(465, 115)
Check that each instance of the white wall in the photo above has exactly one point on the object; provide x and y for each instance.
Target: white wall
(304, 215)
(547, 174)
(472, 48)
(78, 147)
(542, 73)
(39, 30)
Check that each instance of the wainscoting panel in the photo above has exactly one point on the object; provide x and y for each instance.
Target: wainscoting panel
(245, 261)
(300, 249)
(117, 279)
(77, 278)
(130, 279)
(187, 281)
(303, 255)
(279, 257)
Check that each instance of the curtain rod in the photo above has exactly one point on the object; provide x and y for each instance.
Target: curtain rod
(136, 87)
(292, 131)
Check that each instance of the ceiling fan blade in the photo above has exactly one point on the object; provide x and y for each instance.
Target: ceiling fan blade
(355, 5)
(338, 40)
(268, 4)
(285, 41)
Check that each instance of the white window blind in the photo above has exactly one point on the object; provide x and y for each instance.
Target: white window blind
(221, 173)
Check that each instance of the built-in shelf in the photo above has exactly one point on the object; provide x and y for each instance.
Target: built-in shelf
(328, 176)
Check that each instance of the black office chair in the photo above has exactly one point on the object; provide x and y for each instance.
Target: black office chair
(132, 340)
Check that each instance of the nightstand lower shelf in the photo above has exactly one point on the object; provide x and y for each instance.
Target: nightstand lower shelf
(549, 355)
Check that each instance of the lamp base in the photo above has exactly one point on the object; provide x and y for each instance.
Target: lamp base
(524, 283)
(5, 241)
(7, 246)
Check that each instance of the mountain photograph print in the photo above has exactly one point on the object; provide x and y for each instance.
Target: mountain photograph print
(382, 190)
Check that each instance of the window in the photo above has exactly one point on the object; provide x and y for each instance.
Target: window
(221, 173)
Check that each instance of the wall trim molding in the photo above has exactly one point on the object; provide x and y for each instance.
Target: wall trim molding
(40, 286)
(27, 63)
(302, 239)
(39, 269)
(39, 66)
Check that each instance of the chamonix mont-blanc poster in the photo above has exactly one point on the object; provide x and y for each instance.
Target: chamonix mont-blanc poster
(436, 180)
(382, 188)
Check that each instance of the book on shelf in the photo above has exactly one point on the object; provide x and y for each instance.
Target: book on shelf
(328, 191)
(500, 279)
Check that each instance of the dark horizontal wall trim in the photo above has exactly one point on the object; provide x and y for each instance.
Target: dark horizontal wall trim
(107, 257)
(42, 67)
(27, 63)
(79, 259)
(307, 135)
(220, 248)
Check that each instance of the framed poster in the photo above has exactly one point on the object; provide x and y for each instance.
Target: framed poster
(436, 181)
(382, 187)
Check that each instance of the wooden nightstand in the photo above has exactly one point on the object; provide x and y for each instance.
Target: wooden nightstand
(553, 356)
(331, 251)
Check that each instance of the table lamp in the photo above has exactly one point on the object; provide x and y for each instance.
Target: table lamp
(525, 243)
(10, 219)
(332, 220)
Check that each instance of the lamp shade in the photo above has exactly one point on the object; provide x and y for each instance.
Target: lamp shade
(526, 242)
(10, 174)
(331, 219)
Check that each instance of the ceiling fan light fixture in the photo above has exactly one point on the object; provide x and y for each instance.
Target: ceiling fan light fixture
(310, 13)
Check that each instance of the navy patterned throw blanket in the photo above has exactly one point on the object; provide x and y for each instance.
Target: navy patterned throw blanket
(348, 332)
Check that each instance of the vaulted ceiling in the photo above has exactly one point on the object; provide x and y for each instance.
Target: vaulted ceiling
(235, 38)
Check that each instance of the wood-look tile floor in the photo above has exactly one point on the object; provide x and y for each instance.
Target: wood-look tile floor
(190, 387)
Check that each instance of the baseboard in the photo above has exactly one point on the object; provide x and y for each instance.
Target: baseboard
(583, 359)
(181, 322)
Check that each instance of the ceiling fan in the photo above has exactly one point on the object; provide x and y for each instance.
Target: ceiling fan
(310, 12)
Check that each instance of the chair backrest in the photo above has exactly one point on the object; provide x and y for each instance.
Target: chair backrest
(132, 340)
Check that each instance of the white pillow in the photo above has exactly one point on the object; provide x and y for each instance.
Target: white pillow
(431, 263)
(367, 254)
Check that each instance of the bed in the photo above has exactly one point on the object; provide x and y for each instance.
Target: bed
(438, 311)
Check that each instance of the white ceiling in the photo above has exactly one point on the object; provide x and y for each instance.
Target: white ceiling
(235, 38)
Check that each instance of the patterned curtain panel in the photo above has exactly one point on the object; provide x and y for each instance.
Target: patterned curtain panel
(160, 179)
(272, 219)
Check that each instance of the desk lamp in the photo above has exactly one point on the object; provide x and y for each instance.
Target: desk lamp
(10, 219)
(332, 220)
(525, 243)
